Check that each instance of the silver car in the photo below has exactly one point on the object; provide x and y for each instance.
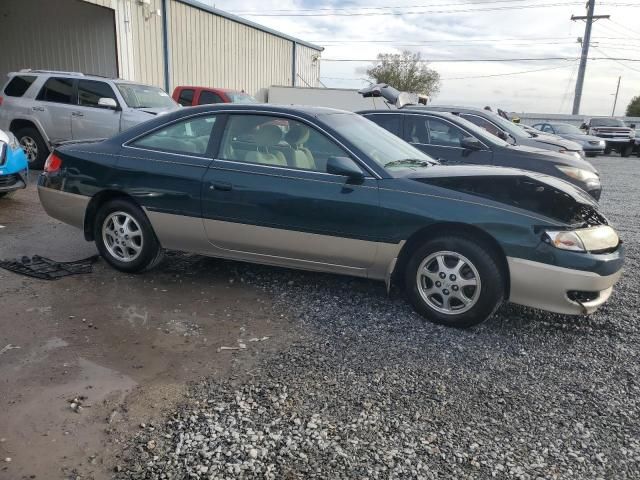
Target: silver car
(591, 145)
(43, 107)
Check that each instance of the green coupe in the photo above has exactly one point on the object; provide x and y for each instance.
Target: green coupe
(326, 190)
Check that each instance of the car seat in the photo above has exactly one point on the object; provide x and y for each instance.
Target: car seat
(302, 156)
(266, 137)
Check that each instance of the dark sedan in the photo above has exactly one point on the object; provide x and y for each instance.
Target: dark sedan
(452, 139)
(327, 190)
(591, 145)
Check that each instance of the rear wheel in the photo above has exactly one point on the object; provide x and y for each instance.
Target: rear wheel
(626, 151)
(454, 281)
(125, 238)
(607, 150)
(34, 147)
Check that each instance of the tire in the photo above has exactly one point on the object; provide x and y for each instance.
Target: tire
(34, 146)
(7, 194)
(625, 152)
(125, 238)
(479, 264)
(607, 150)
(591, 155)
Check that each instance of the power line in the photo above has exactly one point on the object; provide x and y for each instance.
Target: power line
(633, 32)
(617, 60)
(398, 7)
(460, 60)
(399, 14)
(509, 73)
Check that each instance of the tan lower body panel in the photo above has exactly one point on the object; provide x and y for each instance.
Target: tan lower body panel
(545, 286)
(273, 246)
(67, 207)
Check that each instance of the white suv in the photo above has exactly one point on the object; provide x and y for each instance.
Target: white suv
(43, 108)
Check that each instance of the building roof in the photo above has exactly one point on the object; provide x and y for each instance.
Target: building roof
(249, 23)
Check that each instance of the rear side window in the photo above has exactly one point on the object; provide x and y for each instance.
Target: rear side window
(186, 97)
(91, 91)
(18, 85)
(207, 98)
(59, 90)
(392, 123)
(190, 137)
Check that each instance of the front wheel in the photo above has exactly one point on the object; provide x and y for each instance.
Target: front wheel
(454, 281)
(626, 151)
(125, 238)
(34, 147)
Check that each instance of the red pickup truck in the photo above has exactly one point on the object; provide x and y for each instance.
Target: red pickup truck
(188, 96)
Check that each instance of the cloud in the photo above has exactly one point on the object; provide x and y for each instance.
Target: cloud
(554, 34)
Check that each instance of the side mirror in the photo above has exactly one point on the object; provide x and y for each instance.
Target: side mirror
(346, 167)
(108, 103)
(632, 125)
(471, 143)
(584, 127)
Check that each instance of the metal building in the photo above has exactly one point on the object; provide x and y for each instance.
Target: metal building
(161, 42)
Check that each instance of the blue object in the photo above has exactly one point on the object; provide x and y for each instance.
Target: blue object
(14, 167)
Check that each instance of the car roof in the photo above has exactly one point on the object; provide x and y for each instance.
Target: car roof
(309, 110)
(448, 108)
(215, 89)
(60, 73)
(411, 111)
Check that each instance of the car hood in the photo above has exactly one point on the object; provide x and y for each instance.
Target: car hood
(581, 137)
(557, 141)
(534, 192)
(156, 111)
(550, 156)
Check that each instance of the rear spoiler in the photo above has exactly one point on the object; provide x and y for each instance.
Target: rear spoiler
(391, 95)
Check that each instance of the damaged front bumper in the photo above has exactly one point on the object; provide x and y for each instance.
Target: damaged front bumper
(576, 289)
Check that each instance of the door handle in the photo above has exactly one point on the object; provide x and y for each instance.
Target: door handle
(77, 114)
(222, 186)
(37, 109)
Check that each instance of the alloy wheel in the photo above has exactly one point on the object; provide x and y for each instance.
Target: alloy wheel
(30, 148)
(122, 236)
(448, 282)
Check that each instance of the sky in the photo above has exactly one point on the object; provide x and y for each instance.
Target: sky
(471, 29)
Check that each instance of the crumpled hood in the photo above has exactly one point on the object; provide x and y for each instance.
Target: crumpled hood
(538, 193)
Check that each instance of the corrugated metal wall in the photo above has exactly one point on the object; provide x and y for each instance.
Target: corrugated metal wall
(59, 35)
(210, 50)
(307, 66)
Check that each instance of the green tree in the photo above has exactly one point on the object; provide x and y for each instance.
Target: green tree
(633, 109)
(405, 71)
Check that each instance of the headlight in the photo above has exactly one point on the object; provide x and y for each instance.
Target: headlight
(566, 240)
(579, 173)
(603, 143)
(598, 238)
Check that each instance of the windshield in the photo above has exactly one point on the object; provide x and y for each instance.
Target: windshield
(510, 127)
(607, 122)
(382, 146)
(566, 129)
(239, 97)
(145, 96)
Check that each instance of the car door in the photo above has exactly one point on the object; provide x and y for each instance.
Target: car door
(442, 140)
(54, 105)
(90, 119)
(267, 197)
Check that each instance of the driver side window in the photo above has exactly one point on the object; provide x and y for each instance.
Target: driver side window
(277, 141)
(445, 134)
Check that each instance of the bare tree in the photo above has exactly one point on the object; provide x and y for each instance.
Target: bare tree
(405, 71)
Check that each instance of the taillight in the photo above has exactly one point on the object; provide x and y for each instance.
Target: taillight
(53, 163)
(1, 100)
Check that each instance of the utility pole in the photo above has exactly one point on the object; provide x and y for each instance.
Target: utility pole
(589, 19)
(615, 100)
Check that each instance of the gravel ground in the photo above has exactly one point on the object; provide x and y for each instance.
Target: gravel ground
(371, 391)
